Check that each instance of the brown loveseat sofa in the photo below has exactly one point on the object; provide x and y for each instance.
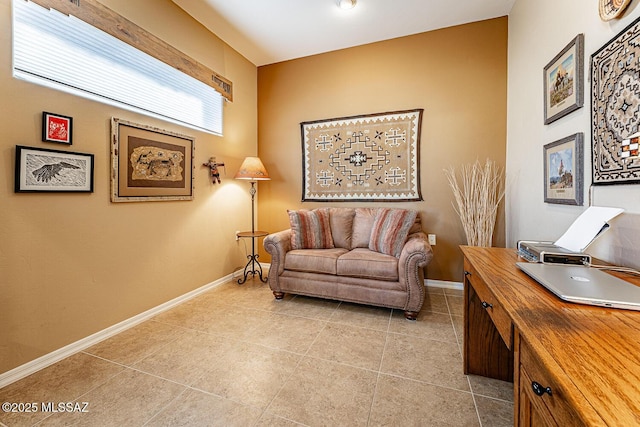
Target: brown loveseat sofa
(370, 256)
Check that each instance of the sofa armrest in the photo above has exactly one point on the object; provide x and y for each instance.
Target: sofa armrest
(417, 245)
(277, 245)
(415, 255)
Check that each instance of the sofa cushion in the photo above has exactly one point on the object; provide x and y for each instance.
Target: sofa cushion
(365, 263)
(310, 229)
(341, 220)
(390, 230)
(313, 260)
(362, 224)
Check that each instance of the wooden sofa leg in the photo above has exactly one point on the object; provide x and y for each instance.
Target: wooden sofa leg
(411, 315)
(278, 295)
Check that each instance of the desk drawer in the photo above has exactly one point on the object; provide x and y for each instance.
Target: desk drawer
(545, 395)
(498, 315)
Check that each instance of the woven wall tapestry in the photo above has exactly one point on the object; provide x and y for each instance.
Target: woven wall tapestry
(362, 158)
(615, 107)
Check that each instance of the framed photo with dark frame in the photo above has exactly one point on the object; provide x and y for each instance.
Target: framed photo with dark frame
(150, 164)
(564, 81)
(57, 128)
(564, 171)
(44, 170)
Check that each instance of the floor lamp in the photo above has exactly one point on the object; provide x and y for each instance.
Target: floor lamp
(252, 170)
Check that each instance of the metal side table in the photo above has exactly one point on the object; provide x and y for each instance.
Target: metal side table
(253, 265)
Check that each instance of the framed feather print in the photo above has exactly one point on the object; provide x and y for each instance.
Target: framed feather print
(44, 170)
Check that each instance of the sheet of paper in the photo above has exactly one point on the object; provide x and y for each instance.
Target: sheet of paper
(587, 227)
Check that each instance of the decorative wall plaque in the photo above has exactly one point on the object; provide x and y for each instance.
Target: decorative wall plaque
(615, 109)
(362, 158)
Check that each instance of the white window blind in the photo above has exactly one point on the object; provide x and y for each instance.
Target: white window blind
(65, 53)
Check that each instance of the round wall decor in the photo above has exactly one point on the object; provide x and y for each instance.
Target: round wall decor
(610, 9)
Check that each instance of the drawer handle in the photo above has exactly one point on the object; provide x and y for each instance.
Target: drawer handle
(467, 273)
(486, 305)
(539, 390)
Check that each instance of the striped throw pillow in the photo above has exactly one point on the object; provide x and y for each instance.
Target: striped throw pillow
(310, 229)
(390, 230)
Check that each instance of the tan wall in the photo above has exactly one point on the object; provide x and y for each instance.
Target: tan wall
(74, 264)
(458, 75)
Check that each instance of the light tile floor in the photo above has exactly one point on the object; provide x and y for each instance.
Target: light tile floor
(234, 356)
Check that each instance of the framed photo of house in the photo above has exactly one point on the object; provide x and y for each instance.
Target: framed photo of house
(564, 171)
(44, 170)
(57, 128)
(150, 164)
(564, 81)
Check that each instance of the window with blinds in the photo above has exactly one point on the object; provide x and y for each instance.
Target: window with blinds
(66, 53)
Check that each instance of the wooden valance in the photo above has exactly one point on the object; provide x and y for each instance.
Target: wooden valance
(105, 19)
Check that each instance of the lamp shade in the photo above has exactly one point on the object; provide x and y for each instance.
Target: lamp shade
(252, 169)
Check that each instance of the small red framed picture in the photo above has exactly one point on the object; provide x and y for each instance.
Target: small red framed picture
(56, 128)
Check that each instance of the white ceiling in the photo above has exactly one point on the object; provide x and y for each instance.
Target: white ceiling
(269, 31)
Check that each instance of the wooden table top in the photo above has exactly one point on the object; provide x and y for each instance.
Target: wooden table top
(592, 349)
(252, 234)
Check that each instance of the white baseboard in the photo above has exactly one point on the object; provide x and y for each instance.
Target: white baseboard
(444, 284)
(70, 349)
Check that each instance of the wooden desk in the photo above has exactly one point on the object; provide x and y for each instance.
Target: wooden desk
(571, 364)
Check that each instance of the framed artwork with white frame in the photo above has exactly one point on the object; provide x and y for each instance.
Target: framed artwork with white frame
(150, 164)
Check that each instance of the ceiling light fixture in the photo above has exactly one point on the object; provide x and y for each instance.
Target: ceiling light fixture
(347, 4)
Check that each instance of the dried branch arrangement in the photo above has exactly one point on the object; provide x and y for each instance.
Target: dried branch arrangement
(477, 197)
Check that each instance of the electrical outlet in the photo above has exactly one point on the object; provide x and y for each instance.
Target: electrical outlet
(432, 239)
(237, 238)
